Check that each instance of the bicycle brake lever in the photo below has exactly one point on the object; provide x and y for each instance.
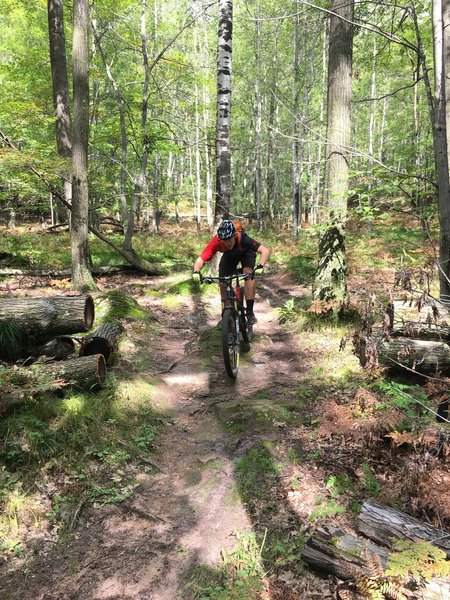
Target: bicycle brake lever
(207, 279)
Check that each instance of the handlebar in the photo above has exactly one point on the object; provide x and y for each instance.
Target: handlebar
(238, 276)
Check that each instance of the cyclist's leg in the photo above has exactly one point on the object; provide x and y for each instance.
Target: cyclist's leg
(248, 264)
(227, 266)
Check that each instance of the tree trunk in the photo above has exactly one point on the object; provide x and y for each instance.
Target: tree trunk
(329, 283)
(223, 166)
(258, 124)
(123, 130)
(47, 317)
(385, 525)
(206, 126)
(295, 134)
(60, 83)
(441, 151)
(103, 340)
(437, 108)
(81, 263)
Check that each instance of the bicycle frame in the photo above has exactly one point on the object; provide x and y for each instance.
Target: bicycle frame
(234, 320)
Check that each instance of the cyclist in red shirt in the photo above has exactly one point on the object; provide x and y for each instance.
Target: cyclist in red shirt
(237, 247)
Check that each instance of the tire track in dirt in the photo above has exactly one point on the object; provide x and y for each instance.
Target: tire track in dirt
(185, 514)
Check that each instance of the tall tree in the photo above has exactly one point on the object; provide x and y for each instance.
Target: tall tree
(330, 284)
(223, 166)
(81, 274)
(441, 150)
(60, 83)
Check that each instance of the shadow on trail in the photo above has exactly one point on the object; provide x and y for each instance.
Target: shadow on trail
(220, 496)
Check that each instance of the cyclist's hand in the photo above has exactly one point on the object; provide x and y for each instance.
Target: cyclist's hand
(196, 276)
(258, 270)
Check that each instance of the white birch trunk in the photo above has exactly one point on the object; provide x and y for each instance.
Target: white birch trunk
(223, 167)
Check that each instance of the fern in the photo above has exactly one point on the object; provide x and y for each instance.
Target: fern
(289, 311)
(374, 583)
(421, 560)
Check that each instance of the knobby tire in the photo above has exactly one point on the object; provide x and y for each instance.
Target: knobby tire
(230, 343)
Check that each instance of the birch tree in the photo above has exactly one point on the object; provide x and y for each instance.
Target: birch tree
(223, 158)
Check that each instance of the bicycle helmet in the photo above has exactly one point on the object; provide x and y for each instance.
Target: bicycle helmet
(226, 230)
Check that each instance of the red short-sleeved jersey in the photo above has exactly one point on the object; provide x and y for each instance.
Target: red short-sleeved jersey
(242, 244)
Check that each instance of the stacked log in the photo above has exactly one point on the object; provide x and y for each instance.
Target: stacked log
(103, 340)
(49, 327)
(43, 318)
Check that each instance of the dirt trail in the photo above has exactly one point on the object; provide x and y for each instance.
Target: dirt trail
(185, 514)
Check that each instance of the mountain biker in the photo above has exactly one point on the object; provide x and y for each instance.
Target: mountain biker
(237, 247)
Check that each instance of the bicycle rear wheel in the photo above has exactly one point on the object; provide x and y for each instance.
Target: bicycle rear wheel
(230, 343)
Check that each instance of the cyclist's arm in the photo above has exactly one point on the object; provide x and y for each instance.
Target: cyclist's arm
(199, 264)
(265, 253)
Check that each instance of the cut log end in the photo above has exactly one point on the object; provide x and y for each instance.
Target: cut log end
(98, 345)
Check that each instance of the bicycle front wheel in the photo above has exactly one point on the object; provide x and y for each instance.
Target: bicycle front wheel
(230, 343)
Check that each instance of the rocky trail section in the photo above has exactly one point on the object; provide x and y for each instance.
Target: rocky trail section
(183, 513)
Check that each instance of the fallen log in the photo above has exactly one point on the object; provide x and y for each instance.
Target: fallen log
(104, 340)
(423, 356)
(385, 525)
(59, 348)
(64, 273)
(87, 373)
(47, 317)
(413, 311)
(347, 557)
(421, 331)
(334, 551)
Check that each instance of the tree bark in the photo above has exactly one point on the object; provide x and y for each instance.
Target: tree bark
(223, 166)
(81, 263)
(48, 317)
(296, 183)
(385, 525)
(334, 551)
(441, 151)
(329, 283)
(60, 83)
(426, 357)
(433, 314)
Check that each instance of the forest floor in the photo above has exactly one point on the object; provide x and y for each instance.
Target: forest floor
(242, 472)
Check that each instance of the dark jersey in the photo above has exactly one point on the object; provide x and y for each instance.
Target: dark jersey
(243, 244)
